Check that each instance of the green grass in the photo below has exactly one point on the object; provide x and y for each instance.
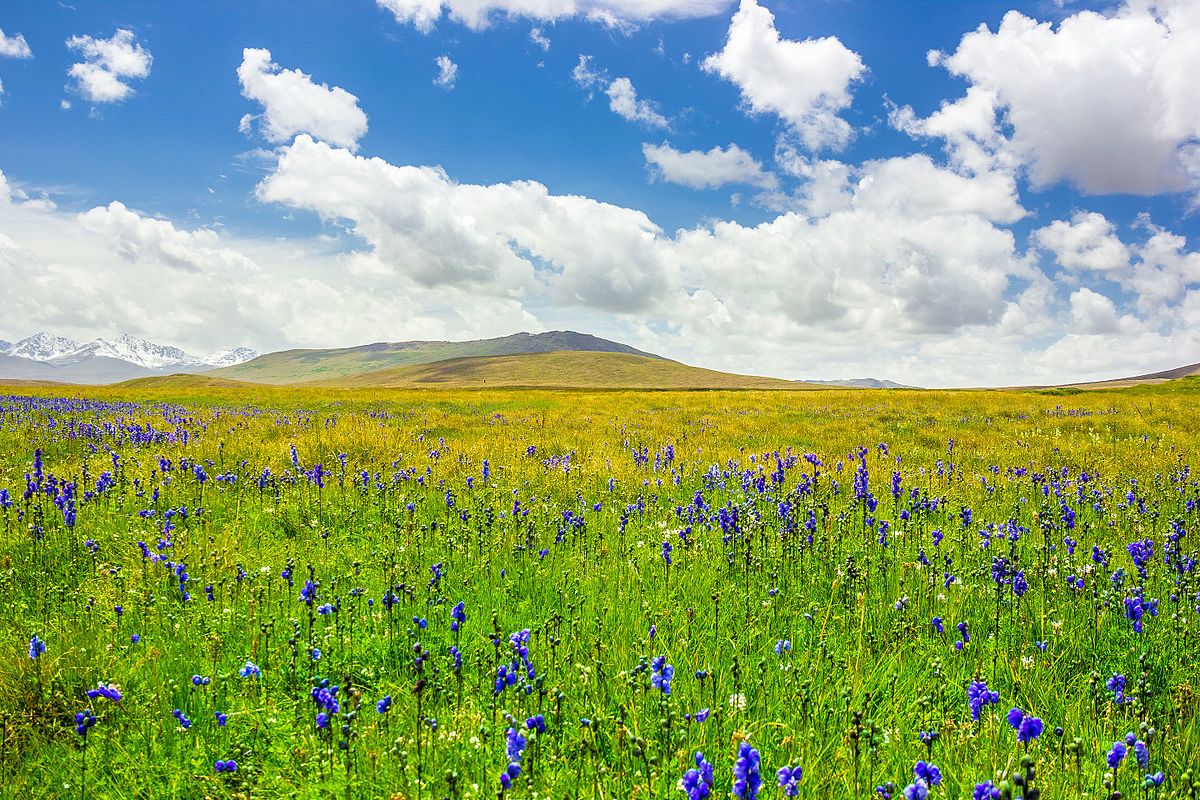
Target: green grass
(571, 370)
(591, 601)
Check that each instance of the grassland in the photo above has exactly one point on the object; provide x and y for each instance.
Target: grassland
(800, 560)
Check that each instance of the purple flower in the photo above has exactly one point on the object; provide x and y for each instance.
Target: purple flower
(105, 690)
(978, 696)
(36, 647)
(986, 791)
(746, 776)
(1117, 754)
(697, 782)
(1027, 727)
(928, 773)
(789, 780)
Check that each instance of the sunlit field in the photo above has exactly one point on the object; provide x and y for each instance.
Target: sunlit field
(423, 594)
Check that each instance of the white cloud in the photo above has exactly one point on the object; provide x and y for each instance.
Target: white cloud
(1093, 313)
(293, 104)
(1104, 101)
(806, 83)
(506, 240)
(1087, 241)
(107, 66)
(699, 169)
(623, 100)
(14, 46)
(538, 37)
(478, 14)
(586, 76)
(204, 290)
(447, 72)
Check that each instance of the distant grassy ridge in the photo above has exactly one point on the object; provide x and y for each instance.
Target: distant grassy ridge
(566, 370)
(300, 366)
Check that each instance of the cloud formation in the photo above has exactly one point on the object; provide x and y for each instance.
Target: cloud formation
(107, 66)
(1038, 96)
(293, 103)
(479, 14)
(700, 169)
(805, 83)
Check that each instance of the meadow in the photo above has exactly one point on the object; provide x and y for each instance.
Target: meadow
(215, 592)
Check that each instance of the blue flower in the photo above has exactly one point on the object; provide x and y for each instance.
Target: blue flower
(1117, 754)
(788, 779)
(36, 647)
(249, 670)
(698, 782)
(928, 773)
(746, 776)
(1027, 727)
(986, 791)
(225, 766)
(978, 696)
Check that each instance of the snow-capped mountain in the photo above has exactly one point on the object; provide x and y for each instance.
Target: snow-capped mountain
(138, 351)
(231, 357)
(44, 347)
(44, 356)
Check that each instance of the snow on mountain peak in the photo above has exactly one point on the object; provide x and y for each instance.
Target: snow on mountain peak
(44, 347)
(127, 348)
(230, 357)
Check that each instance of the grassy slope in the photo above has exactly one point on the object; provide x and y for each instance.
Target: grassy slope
(573, 370)
(297, 366)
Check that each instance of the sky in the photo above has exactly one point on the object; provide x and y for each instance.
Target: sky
(937, 193)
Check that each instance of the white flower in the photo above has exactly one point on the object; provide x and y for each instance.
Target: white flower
(737, 702)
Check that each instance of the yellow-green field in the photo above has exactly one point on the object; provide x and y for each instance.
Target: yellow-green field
(652, 583)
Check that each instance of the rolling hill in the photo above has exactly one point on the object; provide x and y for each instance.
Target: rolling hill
(559, 370)
(297, 366)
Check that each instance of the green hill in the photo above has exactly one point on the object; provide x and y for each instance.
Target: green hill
(296, 366)
(560, 370)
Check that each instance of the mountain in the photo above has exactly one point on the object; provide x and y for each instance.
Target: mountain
(863, 383)
(563, 369)
(44, 347)
(231, 357)
(1188, 371)
(44, 356)
(5, 346)
(297, 366)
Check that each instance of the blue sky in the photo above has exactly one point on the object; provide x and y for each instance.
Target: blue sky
(884, 238)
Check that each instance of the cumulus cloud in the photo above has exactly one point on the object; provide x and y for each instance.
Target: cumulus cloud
(1093, 313)
(623, 100)
(478, 14)
(1104, 101)
(699, 169)
(508, 240)
(806, 83)
(538, 37)
(107, 66)
(447, 72)
(204, 290)
(14, 46)
(1086, 241)
(293, 103)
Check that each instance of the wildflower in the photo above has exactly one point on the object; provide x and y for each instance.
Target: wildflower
(1027, 727)
(938, 625)
(458, 616)
(249, 670)
(788, 779)
(928, 773)
(36, 647)
(84, 721)
(746, 777)
(701, 715)
(184, 722)
(384, 704)
(662, 675)
(1117, 754)
(698, 781)
(225, 766)
(986, 791)
(917, 790)
(978, 696)
(221, 718)
(783, 646)
(104, 690)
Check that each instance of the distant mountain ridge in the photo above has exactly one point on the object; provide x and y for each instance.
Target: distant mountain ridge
(300, 366)
(861, 383)
(46, 356)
